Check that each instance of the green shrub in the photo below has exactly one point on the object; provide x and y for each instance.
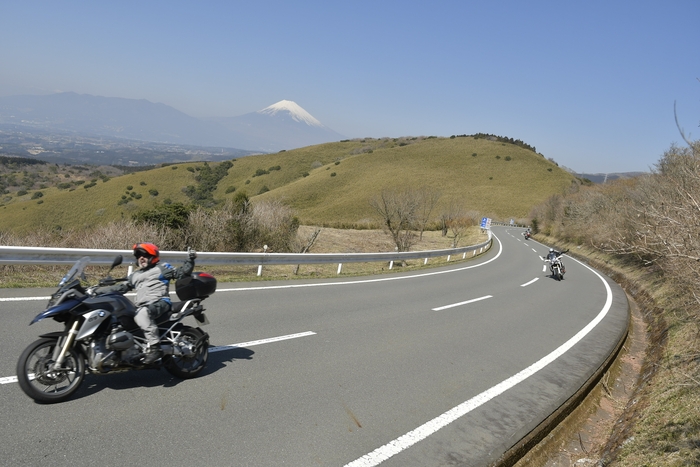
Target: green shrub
(174, 216)
(230, 189)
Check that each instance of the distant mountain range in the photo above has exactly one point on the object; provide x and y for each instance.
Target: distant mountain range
(284, 125)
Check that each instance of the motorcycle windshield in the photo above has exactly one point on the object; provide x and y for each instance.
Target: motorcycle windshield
(76, 271)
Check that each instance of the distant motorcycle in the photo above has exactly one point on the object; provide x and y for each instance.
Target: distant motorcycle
(100, 336)
(526, 235)
(556, 266)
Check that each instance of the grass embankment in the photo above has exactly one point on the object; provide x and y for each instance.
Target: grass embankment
(655, 421)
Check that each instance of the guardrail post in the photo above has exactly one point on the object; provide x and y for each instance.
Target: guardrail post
(425, 262)
(448, 258)
(260, 266)
(340, 266)
(391, 264)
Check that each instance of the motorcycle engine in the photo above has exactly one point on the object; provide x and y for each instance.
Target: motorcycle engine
(99, 357)
(120, 340)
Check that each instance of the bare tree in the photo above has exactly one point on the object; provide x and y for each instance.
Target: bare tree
(427, 200)
(456, 221)
(398, 211)
(309, 243)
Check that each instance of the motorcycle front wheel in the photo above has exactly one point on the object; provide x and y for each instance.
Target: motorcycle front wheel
(40, 381)
(186, 367)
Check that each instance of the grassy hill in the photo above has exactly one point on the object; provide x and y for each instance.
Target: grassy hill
(328, 184)
(497, 179)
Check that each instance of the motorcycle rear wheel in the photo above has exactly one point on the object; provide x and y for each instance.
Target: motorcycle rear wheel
(41, 383)
(186, 367)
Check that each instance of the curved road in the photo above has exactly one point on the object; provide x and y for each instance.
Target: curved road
(448, 366)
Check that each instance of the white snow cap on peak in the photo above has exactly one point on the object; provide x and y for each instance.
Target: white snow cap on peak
(295, 111)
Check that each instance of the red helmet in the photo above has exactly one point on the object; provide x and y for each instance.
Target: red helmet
(149, 250)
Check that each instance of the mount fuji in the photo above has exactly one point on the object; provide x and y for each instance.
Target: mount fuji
(284, 125)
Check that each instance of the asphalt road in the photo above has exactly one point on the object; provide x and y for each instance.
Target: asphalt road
(450, 366)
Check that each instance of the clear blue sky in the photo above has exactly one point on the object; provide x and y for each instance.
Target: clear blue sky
(590, 84)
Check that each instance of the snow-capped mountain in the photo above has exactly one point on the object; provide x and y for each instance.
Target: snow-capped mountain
(284, 125)
(294, 110)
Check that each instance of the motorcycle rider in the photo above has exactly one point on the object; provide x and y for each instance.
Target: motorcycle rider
(151, 282)
(554, 254)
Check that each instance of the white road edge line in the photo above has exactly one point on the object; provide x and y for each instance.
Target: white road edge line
(401, 443)
(528, 283)
(219, 348)
(440, 308)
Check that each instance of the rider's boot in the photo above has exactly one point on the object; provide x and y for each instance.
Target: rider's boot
(153, 354)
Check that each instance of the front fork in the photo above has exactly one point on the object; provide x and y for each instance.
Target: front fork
(63, 346)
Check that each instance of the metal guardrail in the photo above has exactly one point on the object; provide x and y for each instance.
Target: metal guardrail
(67, 256)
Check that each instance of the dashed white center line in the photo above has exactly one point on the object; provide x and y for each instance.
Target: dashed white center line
(261, 341)
(462, 303)
(219, 348)
(528, 283)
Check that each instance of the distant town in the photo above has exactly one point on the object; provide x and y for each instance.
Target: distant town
(67, 148)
